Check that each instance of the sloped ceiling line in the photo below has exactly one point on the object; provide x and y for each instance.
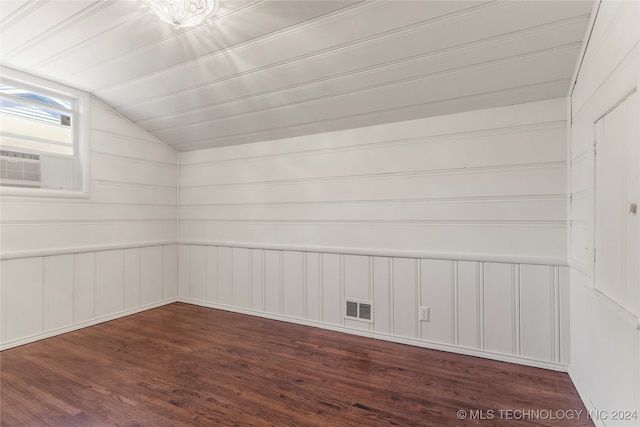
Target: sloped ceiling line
(230, 139)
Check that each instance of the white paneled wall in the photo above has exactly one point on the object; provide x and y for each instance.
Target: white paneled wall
(464, 214)
(45, 296)
(605, 337)
(133, 195)
(482, 185)
(70, 262)
(511, 311)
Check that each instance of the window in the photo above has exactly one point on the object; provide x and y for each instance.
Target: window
(43, 136)
(33, 121)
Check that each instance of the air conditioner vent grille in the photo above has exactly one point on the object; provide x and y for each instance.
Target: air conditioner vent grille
(20, 169)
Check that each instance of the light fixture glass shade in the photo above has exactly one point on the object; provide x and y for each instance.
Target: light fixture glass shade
(183, 13)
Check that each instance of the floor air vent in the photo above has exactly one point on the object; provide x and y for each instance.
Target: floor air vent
(358, 310)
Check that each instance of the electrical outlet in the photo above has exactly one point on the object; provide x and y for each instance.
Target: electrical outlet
(424, 314)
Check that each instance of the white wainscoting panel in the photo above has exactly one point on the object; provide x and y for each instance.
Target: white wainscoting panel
(84, 287)
(313, 288)
(225, 276)
(151, 275)
(382, 295)
(58, 291)
(169, 272)
(404, 296)
(241, 292)
(499, 306)
(46, 296)
(517, 312)
(198, 268)
(110, 282)
(132, 278)
(332, 288)
(22, 298)
(293, 284)
(470, 279)
(272, 282)
(438, 291)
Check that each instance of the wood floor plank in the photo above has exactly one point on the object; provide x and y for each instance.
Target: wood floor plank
(183, 365)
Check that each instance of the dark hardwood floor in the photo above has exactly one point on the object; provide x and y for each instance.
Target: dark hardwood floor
(182, 365)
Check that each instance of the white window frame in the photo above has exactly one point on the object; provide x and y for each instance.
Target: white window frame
(82, 132)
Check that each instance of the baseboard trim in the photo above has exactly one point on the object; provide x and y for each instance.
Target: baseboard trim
(584, 396)
(385, 337)
(82, 325)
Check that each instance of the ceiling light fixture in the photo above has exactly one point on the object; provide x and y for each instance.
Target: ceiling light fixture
(183, 13)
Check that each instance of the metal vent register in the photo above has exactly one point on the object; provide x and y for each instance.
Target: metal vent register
(358, 310)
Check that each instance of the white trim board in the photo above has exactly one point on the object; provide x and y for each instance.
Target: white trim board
(501, 258)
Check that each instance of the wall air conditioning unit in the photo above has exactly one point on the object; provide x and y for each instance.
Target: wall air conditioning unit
(19, 169)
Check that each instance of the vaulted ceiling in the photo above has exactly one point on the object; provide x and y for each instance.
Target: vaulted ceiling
(264, 70)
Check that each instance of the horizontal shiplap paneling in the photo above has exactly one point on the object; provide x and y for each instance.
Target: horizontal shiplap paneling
(512, 146)
(492, 309)
(132, 197)
(56, 237)
(489, 182)
(46, 296)
(499, 181)
(529, 241)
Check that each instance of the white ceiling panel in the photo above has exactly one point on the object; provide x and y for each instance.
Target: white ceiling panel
(138, 67)
(335, 72)
(271, 69)
(492, 76)
(320, 36)
(100, 18)
(49, 17)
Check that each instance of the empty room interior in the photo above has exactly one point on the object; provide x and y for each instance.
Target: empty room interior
(319, 212)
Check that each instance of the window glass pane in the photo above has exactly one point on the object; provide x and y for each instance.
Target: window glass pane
(43, 124)
(34, 96)
(18, 144)
(29, 126)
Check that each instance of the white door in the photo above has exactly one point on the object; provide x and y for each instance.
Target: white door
(617, 193)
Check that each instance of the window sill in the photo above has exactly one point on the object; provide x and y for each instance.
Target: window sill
(42, 192)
